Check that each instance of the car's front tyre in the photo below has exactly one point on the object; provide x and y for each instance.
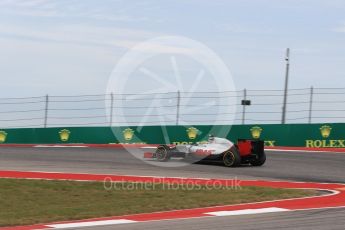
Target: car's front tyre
(162, 153)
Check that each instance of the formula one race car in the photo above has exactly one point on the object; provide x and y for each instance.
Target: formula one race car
(215, 149)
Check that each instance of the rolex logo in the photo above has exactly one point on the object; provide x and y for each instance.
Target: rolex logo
(256, 132)
(325, 131)
(192, 133)
(64, 134)
(3, 136)
(128, 134)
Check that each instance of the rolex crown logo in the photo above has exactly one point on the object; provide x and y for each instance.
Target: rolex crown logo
(256, 132)
(325, 131)
(3, 136)
(128, 134)
(64, 134)
(192, 133)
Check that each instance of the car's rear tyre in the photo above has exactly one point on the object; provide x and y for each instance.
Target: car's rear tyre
(231, 157)
(162, 153)
(260, 160)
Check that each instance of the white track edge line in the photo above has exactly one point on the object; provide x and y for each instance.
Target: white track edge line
(90, 223)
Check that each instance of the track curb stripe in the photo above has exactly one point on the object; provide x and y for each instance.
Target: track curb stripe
(305, 149)
(333, 200)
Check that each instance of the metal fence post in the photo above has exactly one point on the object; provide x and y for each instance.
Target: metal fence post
(111, 109)
(311, 103)
(46, 111)
(244, 106)
(287, 59)
(178, 107)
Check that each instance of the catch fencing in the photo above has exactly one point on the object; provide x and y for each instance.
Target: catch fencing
(307, 105)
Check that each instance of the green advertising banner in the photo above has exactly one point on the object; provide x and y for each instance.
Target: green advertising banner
(300, 135)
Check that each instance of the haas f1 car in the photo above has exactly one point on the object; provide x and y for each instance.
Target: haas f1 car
(215, 149)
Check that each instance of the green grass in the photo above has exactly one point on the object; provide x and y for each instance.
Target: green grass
(40, 201)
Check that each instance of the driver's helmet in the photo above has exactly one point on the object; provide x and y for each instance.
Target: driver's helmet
(210, 138)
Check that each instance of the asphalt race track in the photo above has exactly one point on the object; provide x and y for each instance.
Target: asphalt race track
(295, 166)
(299, 220)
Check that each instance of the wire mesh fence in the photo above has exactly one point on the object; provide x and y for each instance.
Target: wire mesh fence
(308, 105)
